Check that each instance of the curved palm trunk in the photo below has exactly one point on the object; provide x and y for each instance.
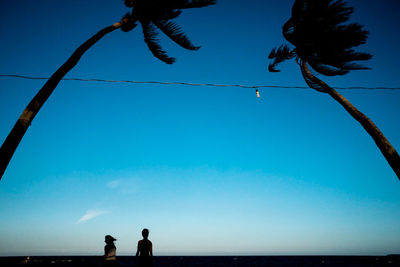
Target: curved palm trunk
(383, 144)
(15, 136)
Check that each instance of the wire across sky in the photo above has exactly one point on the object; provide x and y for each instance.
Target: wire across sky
(193, 84)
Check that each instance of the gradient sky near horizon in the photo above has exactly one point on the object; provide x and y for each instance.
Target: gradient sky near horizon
(210, 171)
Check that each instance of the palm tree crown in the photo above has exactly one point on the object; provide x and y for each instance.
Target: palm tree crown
(153, 14)
(320, 37)
(323, 41)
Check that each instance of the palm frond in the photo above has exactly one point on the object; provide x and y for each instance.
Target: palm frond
(279, 55)
(158, 13)
(350, 35)
(150, 37)
(170, 14)
(327, 70)
(318, 31)
(288, 31)
(342, 60)
(338, 12)
(353, 56)
(355, 66)
(199, 3)
(174, 32)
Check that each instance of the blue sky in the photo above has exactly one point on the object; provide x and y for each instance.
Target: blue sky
(210, 171)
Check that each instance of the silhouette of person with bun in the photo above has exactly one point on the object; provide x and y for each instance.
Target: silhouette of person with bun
(145, 250)
(110, 251)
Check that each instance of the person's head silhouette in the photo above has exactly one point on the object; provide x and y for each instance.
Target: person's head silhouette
(145, 233)
(109, 239)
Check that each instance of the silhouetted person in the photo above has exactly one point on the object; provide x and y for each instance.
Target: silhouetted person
(144, 251)
(110, 251)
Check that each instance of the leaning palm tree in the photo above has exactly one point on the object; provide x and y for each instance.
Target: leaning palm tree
(151, 14)
(323, 41)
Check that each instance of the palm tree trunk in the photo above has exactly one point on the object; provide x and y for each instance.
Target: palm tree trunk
(381, 141)
(18, 131)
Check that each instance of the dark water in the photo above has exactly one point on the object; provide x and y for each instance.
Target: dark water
(214, 261)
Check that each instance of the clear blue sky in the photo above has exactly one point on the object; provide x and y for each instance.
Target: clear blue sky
(207, 170)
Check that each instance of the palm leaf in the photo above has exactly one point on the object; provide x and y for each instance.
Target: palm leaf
(170, 14)
(288, 31)
(174, 32)
(150, 37)
(327, 70)
(355, 66)
(279, 55)
(199, 3)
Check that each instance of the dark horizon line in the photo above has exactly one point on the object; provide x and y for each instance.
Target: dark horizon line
(217, 255)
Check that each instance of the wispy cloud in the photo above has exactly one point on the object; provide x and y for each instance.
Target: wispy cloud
(91, 214)
(113, 184)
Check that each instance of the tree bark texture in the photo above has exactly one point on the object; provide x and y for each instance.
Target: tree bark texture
(381, 141)
(18, 131)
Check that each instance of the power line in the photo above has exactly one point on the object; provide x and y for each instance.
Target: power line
(195, 84)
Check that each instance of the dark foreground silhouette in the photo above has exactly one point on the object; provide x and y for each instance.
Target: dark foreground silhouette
(144, 253)
(110, 251)
(214, 261)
